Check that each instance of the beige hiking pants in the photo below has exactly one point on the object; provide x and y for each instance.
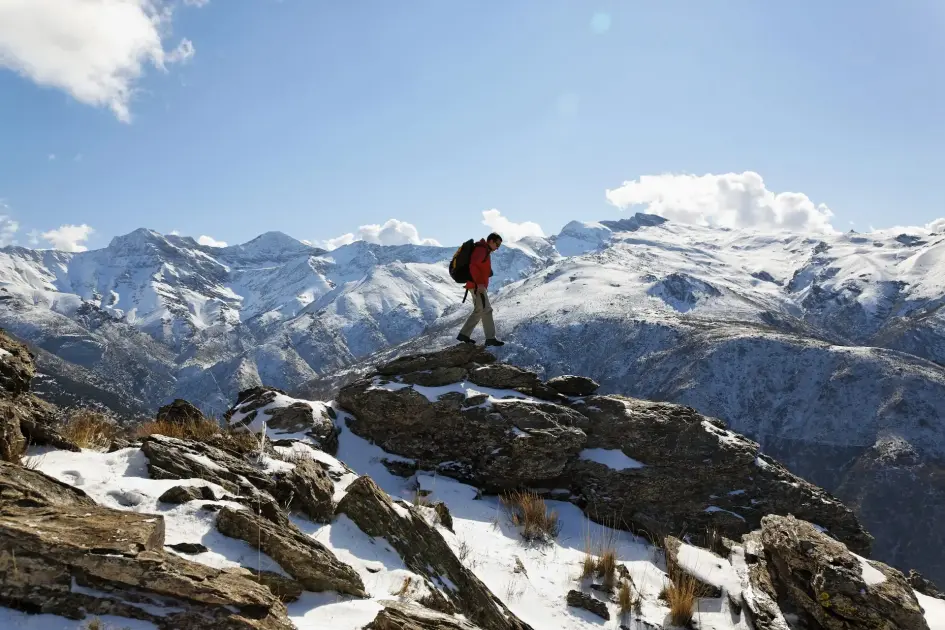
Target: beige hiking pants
(482, 311)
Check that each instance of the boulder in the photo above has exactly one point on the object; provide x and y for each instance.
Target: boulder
(179, 412)
(306, 488)
(54, 538)
(573, 385)
(841, 591)
(425, 552)
(285, 415)
(436, 377)
(664, 469)
(171, 458)
(503, 376)
(577, 599)
(189, 548)
(407, 616)
(501, 444)
(461, 355)
(286, 589)
(311, 563)
(443, 514)
(183, 494)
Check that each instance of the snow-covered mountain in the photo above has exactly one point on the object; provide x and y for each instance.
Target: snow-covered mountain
(153, 317)
(827, 349)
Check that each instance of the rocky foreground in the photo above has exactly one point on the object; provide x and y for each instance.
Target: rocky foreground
(269, 525)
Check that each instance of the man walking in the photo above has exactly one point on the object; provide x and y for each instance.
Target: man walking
(480, 269)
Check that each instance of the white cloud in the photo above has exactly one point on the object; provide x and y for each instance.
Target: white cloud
(393, 232)
(196, 3)
(938, 225)
(509, 230)
(93, 49)
(729, 200)
(209, 241)
(8, 229)
(52, 156)
(69, 238)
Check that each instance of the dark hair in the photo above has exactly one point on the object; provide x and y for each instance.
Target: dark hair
(494, 237)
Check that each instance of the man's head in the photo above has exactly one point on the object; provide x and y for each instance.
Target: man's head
(494, 241)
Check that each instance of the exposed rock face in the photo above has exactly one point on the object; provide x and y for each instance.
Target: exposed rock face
(578, 599)
(924, 586)
(16, 365)
(696, 476)
(306, 487)
(179, 412)
(570, 385)
(400, 616)
(298, 417)
(666, 469)
(426, 553)
(818, 575)
(53, 536)
(302, 557)
(12, 442)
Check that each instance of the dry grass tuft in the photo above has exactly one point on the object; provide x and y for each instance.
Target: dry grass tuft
(420, 499)
(404, 587)
(89, 429)
(625, 597)
(528, 511)
(245, 442)
(202, 429)
(97, 624)
(589, 566)
(681, 598)
(607, 567)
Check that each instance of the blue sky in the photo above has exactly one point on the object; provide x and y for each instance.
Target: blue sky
(317, 117)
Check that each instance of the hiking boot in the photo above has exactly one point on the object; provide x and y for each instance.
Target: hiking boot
(494, 342)
(465, 339)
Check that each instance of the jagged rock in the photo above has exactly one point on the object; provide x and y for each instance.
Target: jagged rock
(170, 458)
(118, 444)
(179, 412)
(306, 488)
(461, 355)
(819, 575)
(507, 443)
(696, 476)
(302, 557)
(502, 376)
(401, 616)
(923, 585)
(436, 377)
(16, 365)
(183, 494)
(312, 419)
(426, 553)
(571, 385)
(12, 442)
(189, 548)
(443, 513)
(53, 536)
(671, 545)
(577, 599)
(286, 589)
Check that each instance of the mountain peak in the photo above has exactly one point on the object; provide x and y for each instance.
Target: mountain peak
(140, 238)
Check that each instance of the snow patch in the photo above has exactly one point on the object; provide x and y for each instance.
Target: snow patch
(611, 457)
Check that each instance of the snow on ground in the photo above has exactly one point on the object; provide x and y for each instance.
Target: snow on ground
(21, 621)
(934, 611)
(531, 579)
(710, 568)
(610, 457)
(871, 575)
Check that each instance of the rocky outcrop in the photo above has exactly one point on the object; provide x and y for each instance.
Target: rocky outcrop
(314, 420)
(818, 575)
(180, 412)
(652, 467)
(16, 365)
(307, 489)
(426, 553)
(183, 494)
(577, 599)
(301, 556)
(684, 472)
(924, 586)
(63, 554)
(401, 616)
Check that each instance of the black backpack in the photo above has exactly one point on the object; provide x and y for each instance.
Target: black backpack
(459, 265)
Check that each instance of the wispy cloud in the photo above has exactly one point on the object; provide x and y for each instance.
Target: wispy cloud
(94, 50)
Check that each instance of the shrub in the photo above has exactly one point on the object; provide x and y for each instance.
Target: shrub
(528, 511)
(89, 429)
(681, 598)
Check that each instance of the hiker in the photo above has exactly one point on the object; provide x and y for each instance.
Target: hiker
(480, 270)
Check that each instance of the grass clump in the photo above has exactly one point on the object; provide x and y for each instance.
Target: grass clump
(680, 596)
(97, 624)
(528, 510)
(196, 429)
(404, 587)
(88, 428)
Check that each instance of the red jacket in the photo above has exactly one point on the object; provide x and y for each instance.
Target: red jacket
(480, 265)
